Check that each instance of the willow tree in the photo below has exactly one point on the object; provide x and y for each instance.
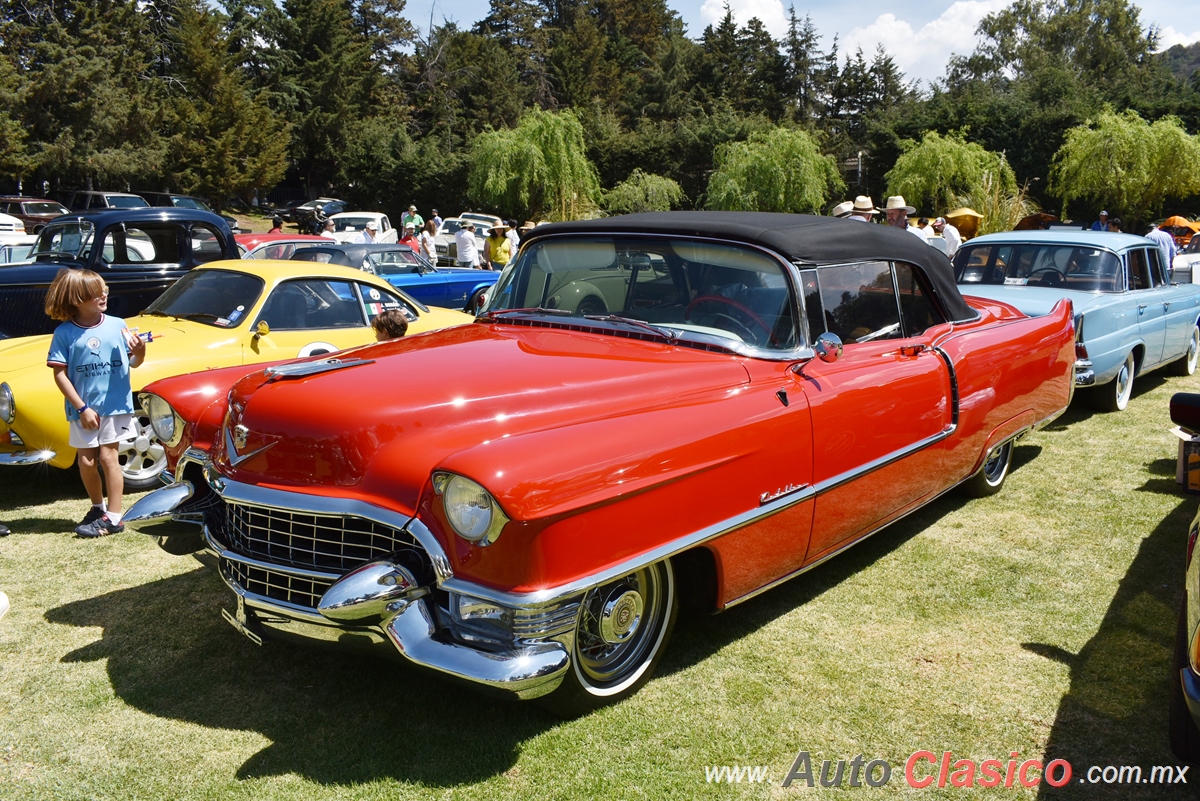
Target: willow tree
(780, 169)
(1125, 164)
(643, 191)
(942, 172)
(539, 169)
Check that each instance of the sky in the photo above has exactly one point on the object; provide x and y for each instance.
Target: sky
(920, 36)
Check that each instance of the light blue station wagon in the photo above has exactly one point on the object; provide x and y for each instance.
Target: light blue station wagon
(1129, 317)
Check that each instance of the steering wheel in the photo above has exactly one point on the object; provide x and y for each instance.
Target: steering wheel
(1053, 276)
(744, 309)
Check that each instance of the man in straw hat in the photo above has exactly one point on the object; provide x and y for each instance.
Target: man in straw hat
(863, 209)
(897, 216)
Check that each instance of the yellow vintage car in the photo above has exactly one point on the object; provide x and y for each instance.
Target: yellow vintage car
(223, 314)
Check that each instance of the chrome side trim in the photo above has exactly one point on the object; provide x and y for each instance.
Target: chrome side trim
(953, 384)
(883, 461)
(21, 458)
(540, 598)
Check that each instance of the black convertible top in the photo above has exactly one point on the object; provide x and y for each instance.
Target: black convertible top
(797, 237)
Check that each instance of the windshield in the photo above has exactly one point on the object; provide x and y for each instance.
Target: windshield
(190, 203)
(69, 239)
(350, 223)
(681, 286)
(1193, 245)
(393, 262)
(44, 208)
(126, 202)
(220, 298)
(1082, 268)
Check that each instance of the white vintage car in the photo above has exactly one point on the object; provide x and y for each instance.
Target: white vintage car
(348, 227)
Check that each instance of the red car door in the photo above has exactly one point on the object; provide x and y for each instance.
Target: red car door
(880, 411)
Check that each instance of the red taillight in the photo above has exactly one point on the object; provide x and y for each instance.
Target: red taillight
(1080, 351)
(1191, 545)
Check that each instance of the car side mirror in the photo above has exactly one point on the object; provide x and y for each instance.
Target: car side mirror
(262, 329)
(828, 347)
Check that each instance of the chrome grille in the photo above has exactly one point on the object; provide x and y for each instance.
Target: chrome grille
(21, 311)
(333, 543)
(273, 584)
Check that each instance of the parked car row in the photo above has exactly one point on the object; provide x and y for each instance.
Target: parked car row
(36, 212)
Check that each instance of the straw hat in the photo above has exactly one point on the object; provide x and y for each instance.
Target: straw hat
(863, 205)
(897, 202)
(842, 209)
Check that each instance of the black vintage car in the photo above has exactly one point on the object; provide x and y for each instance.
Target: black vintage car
(139, 252)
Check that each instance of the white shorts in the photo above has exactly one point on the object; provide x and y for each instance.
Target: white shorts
(112, 429)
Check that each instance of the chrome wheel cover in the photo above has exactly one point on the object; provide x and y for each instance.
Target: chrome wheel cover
(996, 466)
(1123, 385)
(142, 457)
(621, 627)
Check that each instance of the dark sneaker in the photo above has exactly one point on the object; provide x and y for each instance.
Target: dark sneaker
(4, 532)
(100, 527)
(92, 514)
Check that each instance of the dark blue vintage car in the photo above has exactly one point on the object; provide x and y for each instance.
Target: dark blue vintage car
(138, 252)
(401, 266)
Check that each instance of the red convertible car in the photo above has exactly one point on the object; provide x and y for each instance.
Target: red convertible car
(651, 406)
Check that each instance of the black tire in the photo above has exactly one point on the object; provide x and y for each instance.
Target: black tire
(620, 636)
(475, 301)
(990, 478)
(1186, 365)
(591, 305)
(142, 457)
(1181, 726)
(1114, 396)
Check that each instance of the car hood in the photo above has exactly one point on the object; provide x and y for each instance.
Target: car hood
(474, 400)
(1036, 301)
(183, 343)
(38, 273)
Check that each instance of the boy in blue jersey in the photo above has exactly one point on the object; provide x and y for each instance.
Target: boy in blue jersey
(91, 354)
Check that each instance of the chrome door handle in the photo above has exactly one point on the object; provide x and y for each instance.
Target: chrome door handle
(1141, 308)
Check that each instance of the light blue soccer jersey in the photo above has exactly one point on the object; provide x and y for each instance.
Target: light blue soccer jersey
(97, 363)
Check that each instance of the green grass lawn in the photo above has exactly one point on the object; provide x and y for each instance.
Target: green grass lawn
(1038, 621)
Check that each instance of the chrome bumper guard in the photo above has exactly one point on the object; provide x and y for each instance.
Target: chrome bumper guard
(373, 605)
(1085, 376)
(20, 458)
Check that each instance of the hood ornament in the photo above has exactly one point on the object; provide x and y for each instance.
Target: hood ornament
(235, 440)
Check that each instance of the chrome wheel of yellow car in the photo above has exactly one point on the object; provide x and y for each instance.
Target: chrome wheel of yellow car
(142, 457)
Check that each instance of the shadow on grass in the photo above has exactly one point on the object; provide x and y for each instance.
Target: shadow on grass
(331, 717)
(39, 485)
(1116, 710)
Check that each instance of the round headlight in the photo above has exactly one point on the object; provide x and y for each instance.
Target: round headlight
(162, 417)
(8, 409)
(468, 508)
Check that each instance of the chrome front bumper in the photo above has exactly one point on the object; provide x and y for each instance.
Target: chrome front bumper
(404, 625)
(19, 458)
